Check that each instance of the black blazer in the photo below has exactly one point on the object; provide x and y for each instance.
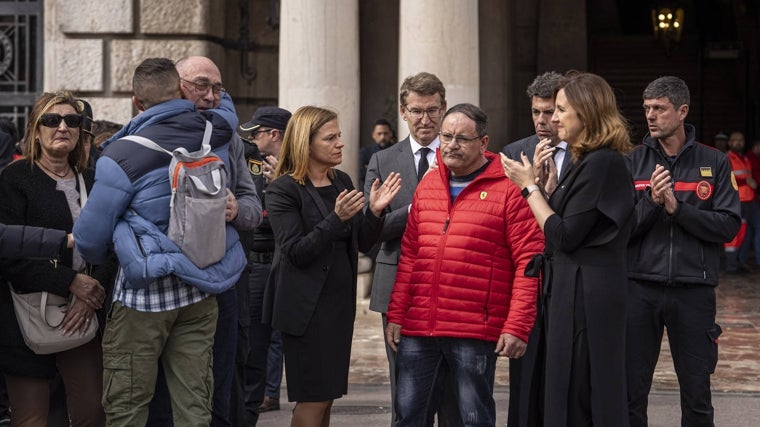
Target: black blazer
(304, 233)
(526, 145)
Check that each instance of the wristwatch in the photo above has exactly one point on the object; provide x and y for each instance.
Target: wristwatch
(529, 189)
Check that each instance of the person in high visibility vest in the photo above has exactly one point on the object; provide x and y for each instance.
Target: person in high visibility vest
(752, 239)
(742, 176)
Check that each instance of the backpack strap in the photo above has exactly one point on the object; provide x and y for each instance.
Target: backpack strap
(147, 143)
(182, 151)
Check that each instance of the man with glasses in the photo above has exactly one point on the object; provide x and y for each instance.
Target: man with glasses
(201, 83)
(169, 322)
(461, 298)
(422, 102)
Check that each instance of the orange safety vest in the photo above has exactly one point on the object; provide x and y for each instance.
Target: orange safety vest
(742, 169)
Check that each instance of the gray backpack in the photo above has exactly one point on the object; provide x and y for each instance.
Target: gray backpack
(199, 196)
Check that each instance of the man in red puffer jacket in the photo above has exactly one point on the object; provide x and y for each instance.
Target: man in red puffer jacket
(461, 297)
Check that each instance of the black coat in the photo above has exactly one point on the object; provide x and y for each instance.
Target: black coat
(30, 198)
(586, 247)
(18, 241)
(304, 237)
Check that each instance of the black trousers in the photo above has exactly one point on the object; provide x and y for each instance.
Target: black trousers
(688, 315)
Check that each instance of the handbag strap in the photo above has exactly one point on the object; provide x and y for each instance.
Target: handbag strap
(43, 305)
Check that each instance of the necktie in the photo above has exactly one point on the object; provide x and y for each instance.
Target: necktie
(423, 165)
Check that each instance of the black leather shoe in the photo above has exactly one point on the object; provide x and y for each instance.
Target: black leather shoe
(269, 404)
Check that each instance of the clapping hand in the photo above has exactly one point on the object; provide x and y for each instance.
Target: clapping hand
(544, 167)
(521, 173)
(269, 164)
(381, 194)
(348, 204)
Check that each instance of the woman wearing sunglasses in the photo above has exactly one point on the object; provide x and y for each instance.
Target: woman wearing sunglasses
(44, 189)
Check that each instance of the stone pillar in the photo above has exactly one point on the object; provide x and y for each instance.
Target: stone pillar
(319, 64)
(441, 37)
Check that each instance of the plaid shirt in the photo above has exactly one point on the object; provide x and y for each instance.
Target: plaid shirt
(166, 294)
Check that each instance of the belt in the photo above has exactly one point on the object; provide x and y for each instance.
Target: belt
(261, 257)
(668, 284)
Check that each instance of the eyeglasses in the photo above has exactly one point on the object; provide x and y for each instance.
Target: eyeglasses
(203, 87)
(447, 138)
(254, 133)
(51, 120)
(416, 113)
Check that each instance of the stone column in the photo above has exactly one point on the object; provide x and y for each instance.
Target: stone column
(441, 37)
(319, 64)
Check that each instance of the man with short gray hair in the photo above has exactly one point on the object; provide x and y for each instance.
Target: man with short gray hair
(686, 208)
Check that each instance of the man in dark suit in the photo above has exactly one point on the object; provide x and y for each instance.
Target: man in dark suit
(541, 94)
(422, 103)
(382, 135)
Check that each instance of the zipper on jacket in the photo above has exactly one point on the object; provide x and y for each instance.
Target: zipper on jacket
(446, 224)
(488, 294)
(671, 169)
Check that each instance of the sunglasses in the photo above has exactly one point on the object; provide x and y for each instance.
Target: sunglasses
(54, 120)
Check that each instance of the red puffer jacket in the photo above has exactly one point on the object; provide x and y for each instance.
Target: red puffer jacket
(461, 268)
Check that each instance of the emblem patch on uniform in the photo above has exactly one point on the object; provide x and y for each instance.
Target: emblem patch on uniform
(705, 172)
(255, 166)
(483, 195)
(733, 181)
(704, 190)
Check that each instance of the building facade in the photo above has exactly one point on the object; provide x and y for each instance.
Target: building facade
(351, 55)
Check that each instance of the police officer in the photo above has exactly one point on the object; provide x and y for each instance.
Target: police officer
(686, 208)
(264, 131)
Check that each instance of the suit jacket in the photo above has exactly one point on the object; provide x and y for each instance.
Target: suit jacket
(527, 145)
(304, 233)
(396, 158)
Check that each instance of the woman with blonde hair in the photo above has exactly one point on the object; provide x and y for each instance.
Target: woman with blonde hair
(45, 189)
(319, 224)
(587, 221)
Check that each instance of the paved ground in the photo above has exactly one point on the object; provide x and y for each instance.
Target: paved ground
(736, 383)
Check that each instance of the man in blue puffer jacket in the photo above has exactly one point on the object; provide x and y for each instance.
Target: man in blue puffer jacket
(168, 319)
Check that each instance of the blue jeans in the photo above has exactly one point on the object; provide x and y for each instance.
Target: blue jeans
(225, 347)
(422, 364)
(274, 366)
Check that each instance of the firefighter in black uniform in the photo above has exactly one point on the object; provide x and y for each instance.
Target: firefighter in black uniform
(687, 206)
